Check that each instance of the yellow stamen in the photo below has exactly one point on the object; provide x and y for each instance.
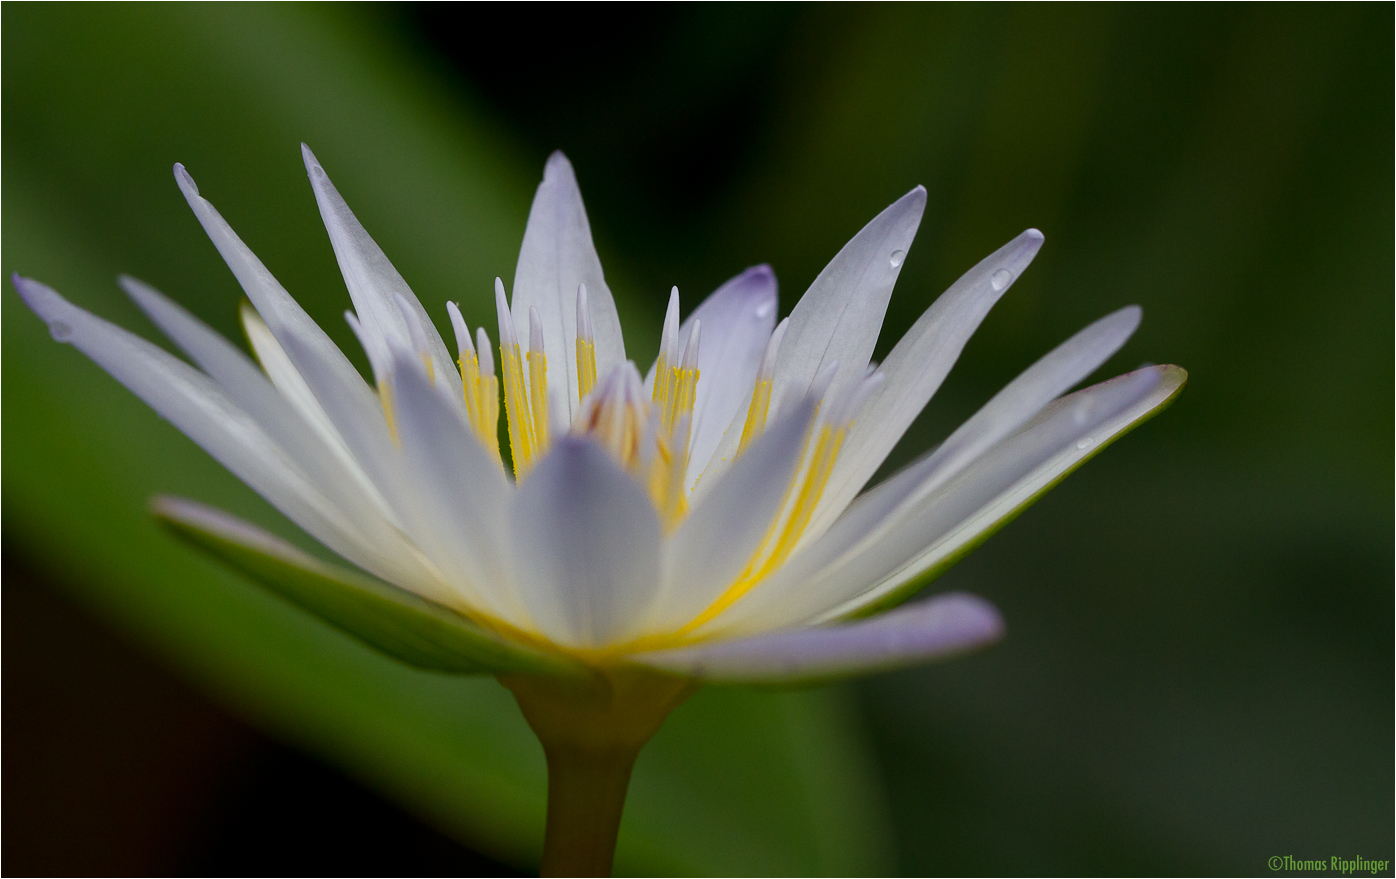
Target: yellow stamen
(538, 397)
(489, 415)
(755, 415)
(657, 477)
(586, 367)
(673, 505)
(470, 382)
(685, 383)
(481, 402)
(516, 409)
(385, 396)
(615, 425)
(674, 390)
(661, 381)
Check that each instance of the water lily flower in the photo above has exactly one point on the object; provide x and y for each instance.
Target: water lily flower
(618, 539)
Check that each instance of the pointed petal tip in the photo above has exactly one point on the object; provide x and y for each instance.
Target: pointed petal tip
(169, 505)
(312, 165)
(135, 287)
(759, 279)
(183, 513)
(185, 181)
(507, 334)
(1169, 374)
(1130, 316)
(976, 615)
(30, 290)
(915, 199)
(1023, 249)
(30, 293)
(557, 164)
(181, 510)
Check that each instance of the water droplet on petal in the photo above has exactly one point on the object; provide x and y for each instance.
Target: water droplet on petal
(764, 309)
(1085, 443)
(898, 256)
(1001, 278)
(60, 331)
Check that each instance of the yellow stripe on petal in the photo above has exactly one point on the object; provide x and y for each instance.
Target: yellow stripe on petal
(785, 531)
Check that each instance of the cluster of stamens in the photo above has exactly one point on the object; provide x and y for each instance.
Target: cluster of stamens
(647, 434)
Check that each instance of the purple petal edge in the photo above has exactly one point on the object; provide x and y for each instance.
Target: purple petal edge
(941, 626)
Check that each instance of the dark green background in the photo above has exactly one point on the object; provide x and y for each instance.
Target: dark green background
(1198, 672)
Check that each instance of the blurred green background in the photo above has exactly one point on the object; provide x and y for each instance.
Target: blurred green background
(1198, 673)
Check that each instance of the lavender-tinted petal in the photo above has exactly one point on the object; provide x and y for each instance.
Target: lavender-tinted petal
(942, 626)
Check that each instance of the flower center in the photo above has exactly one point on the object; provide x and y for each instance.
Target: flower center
(649, 434)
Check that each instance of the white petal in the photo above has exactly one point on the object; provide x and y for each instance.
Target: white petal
(915, 369)
(737, 320)
(1011, 455)
(861, 551)
(311, 352)
(727, 445)
(1017, 402)
(840, 316)
(462, 494)
(942, 626)
(1008, 410)
(374, 284)
(191, 401)
(291, 384)
(464, 344)
(282, 313)
(586, 546)
(250, 391)
(357, 416)
(557, 255)
(720, 535)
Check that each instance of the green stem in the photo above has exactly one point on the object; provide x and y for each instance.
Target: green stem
(591, 731)
(586, 794)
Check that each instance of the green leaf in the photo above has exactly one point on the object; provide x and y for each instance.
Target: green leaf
(400, 624)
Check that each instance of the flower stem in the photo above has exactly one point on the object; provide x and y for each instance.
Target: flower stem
(586, 794)
(591, 731)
